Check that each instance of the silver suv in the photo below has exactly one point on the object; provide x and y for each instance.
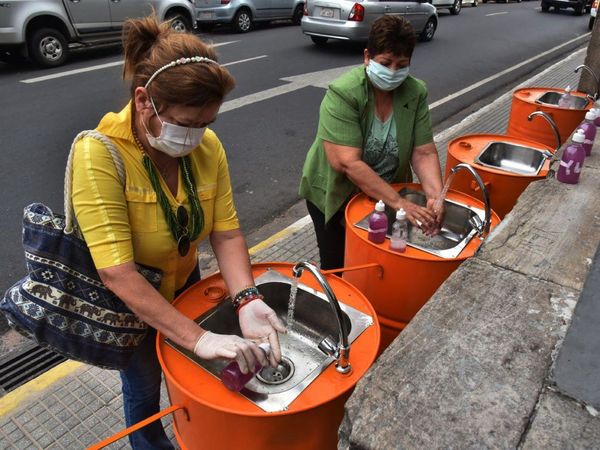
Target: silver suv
(241, 14)
(45, 30)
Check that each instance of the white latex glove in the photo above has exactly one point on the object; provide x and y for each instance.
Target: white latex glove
(260, 323)
(230, 346)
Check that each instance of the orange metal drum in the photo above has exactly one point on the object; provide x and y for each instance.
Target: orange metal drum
(504, 187)
(216, 418)
(538, 130)
(410, 278)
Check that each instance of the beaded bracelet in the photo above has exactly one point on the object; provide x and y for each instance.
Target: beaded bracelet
(246, 300)
(237, 298)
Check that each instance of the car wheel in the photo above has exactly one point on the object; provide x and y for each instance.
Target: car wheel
(545, 7)
(48, 47)
(298, 13)
(429, 30)
(456, 7)
(591, 24)
(578, 10)
(242, 21)
(179, 23)
(475, 3)
(319, 40)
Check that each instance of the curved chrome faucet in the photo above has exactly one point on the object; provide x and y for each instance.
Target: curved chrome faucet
(342, 352)
(552, 124)
(583, 66)
(482, 228)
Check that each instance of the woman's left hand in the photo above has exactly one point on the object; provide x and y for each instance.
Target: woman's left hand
(259, 323)
(438, 210)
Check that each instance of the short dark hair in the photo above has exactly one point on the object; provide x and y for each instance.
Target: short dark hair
(391, 34)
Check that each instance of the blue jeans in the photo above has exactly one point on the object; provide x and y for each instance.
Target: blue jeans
(141, 390)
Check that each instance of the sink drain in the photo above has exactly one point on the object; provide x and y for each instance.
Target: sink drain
(277, 375)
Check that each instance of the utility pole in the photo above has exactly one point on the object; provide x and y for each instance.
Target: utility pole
(587, 83)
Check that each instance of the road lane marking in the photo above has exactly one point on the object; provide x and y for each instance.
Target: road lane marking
(321, 79)
(91, 68)
(499, 74)
(496, 14)
(324, 77)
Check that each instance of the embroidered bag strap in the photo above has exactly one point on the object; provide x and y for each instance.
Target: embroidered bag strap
(68, 202)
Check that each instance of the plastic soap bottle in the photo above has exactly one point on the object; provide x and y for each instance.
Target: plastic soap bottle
(566, 99)
(597, 111)
(399, 232)
(589, 129)
(233, 378)
(378, 223)
(572, 160)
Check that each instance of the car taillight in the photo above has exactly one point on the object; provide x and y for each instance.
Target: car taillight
(225, 2)
(357, 13)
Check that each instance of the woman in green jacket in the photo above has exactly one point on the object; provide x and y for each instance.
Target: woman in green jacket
(374, 125)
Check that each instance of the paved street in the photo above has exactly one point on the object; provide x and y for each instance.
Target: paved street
(476, 54)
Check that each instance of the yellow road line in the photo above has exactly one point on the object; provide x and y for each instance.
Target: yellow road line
(14, 398)
(280, 235)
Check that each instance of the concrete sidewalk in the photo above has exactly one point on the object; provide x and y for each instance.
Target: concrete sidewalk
(75, 405)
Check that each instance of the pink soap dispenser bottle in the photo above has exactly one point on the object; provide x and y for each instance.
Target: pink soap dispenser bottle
(589, 130)
(232, 376)
(572, 160)
(378, 223)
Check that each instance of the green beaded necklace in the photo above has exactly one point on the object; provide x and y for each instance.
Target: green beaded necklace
(178, 224)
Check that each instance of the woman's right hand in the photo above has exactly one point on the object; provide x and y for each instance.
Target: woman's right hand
(419, 216)
(246, 353)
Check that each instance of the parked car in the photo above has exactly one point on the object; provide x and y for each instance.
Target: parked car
(593, 13)
(578, 5)
(350, 20)
(454, 6)
(241, 14)
(46, 30)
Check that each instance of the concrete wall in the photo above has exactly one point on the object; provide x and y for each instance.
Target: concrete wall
(472, 369)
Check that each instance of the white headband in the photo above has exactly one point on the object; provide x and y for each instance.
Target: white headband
(179, 62)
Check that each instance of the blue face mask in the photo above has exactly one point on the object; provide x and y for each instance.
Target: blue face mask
(384, 78)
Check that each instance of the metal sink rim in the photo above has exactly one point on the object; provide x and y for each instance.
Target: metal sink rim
(532, 149)
(280, 401)
(559, 93)
(449, 253)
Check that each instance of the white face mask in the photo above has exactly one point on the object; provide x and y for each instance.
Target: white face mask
(385, 78)
(174, 140)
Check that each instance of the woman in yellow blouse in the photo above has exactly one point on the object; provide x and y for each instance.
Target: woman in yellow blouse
(177, 192)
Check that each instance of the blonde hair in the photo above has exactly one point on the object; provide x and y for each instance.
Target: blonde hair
(149, 46)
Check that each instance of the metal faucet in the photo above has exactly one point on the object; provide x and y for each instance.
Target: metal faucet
(552, 124)
(341, 352)
(482, 228)
(583, 66)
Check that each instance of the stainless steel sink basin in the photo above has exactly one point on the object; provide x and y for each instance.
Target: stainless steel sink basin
(273, 390)
(457, 228)
(551, 98)
(512, 158)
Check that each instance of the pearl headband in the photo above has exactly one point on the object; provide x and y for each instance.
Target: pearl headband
(179, 62)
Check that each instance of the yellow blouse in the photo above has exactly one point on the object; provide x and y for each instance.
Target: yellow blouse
(127, 224)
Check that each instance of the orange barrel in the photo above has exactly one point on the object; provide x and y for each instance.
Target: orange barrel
(527, 100)
(504, 186)
(218, 419)
(409, 279)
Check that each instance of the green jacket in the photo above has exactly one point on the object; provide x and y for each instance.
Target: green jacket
(345, 118)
